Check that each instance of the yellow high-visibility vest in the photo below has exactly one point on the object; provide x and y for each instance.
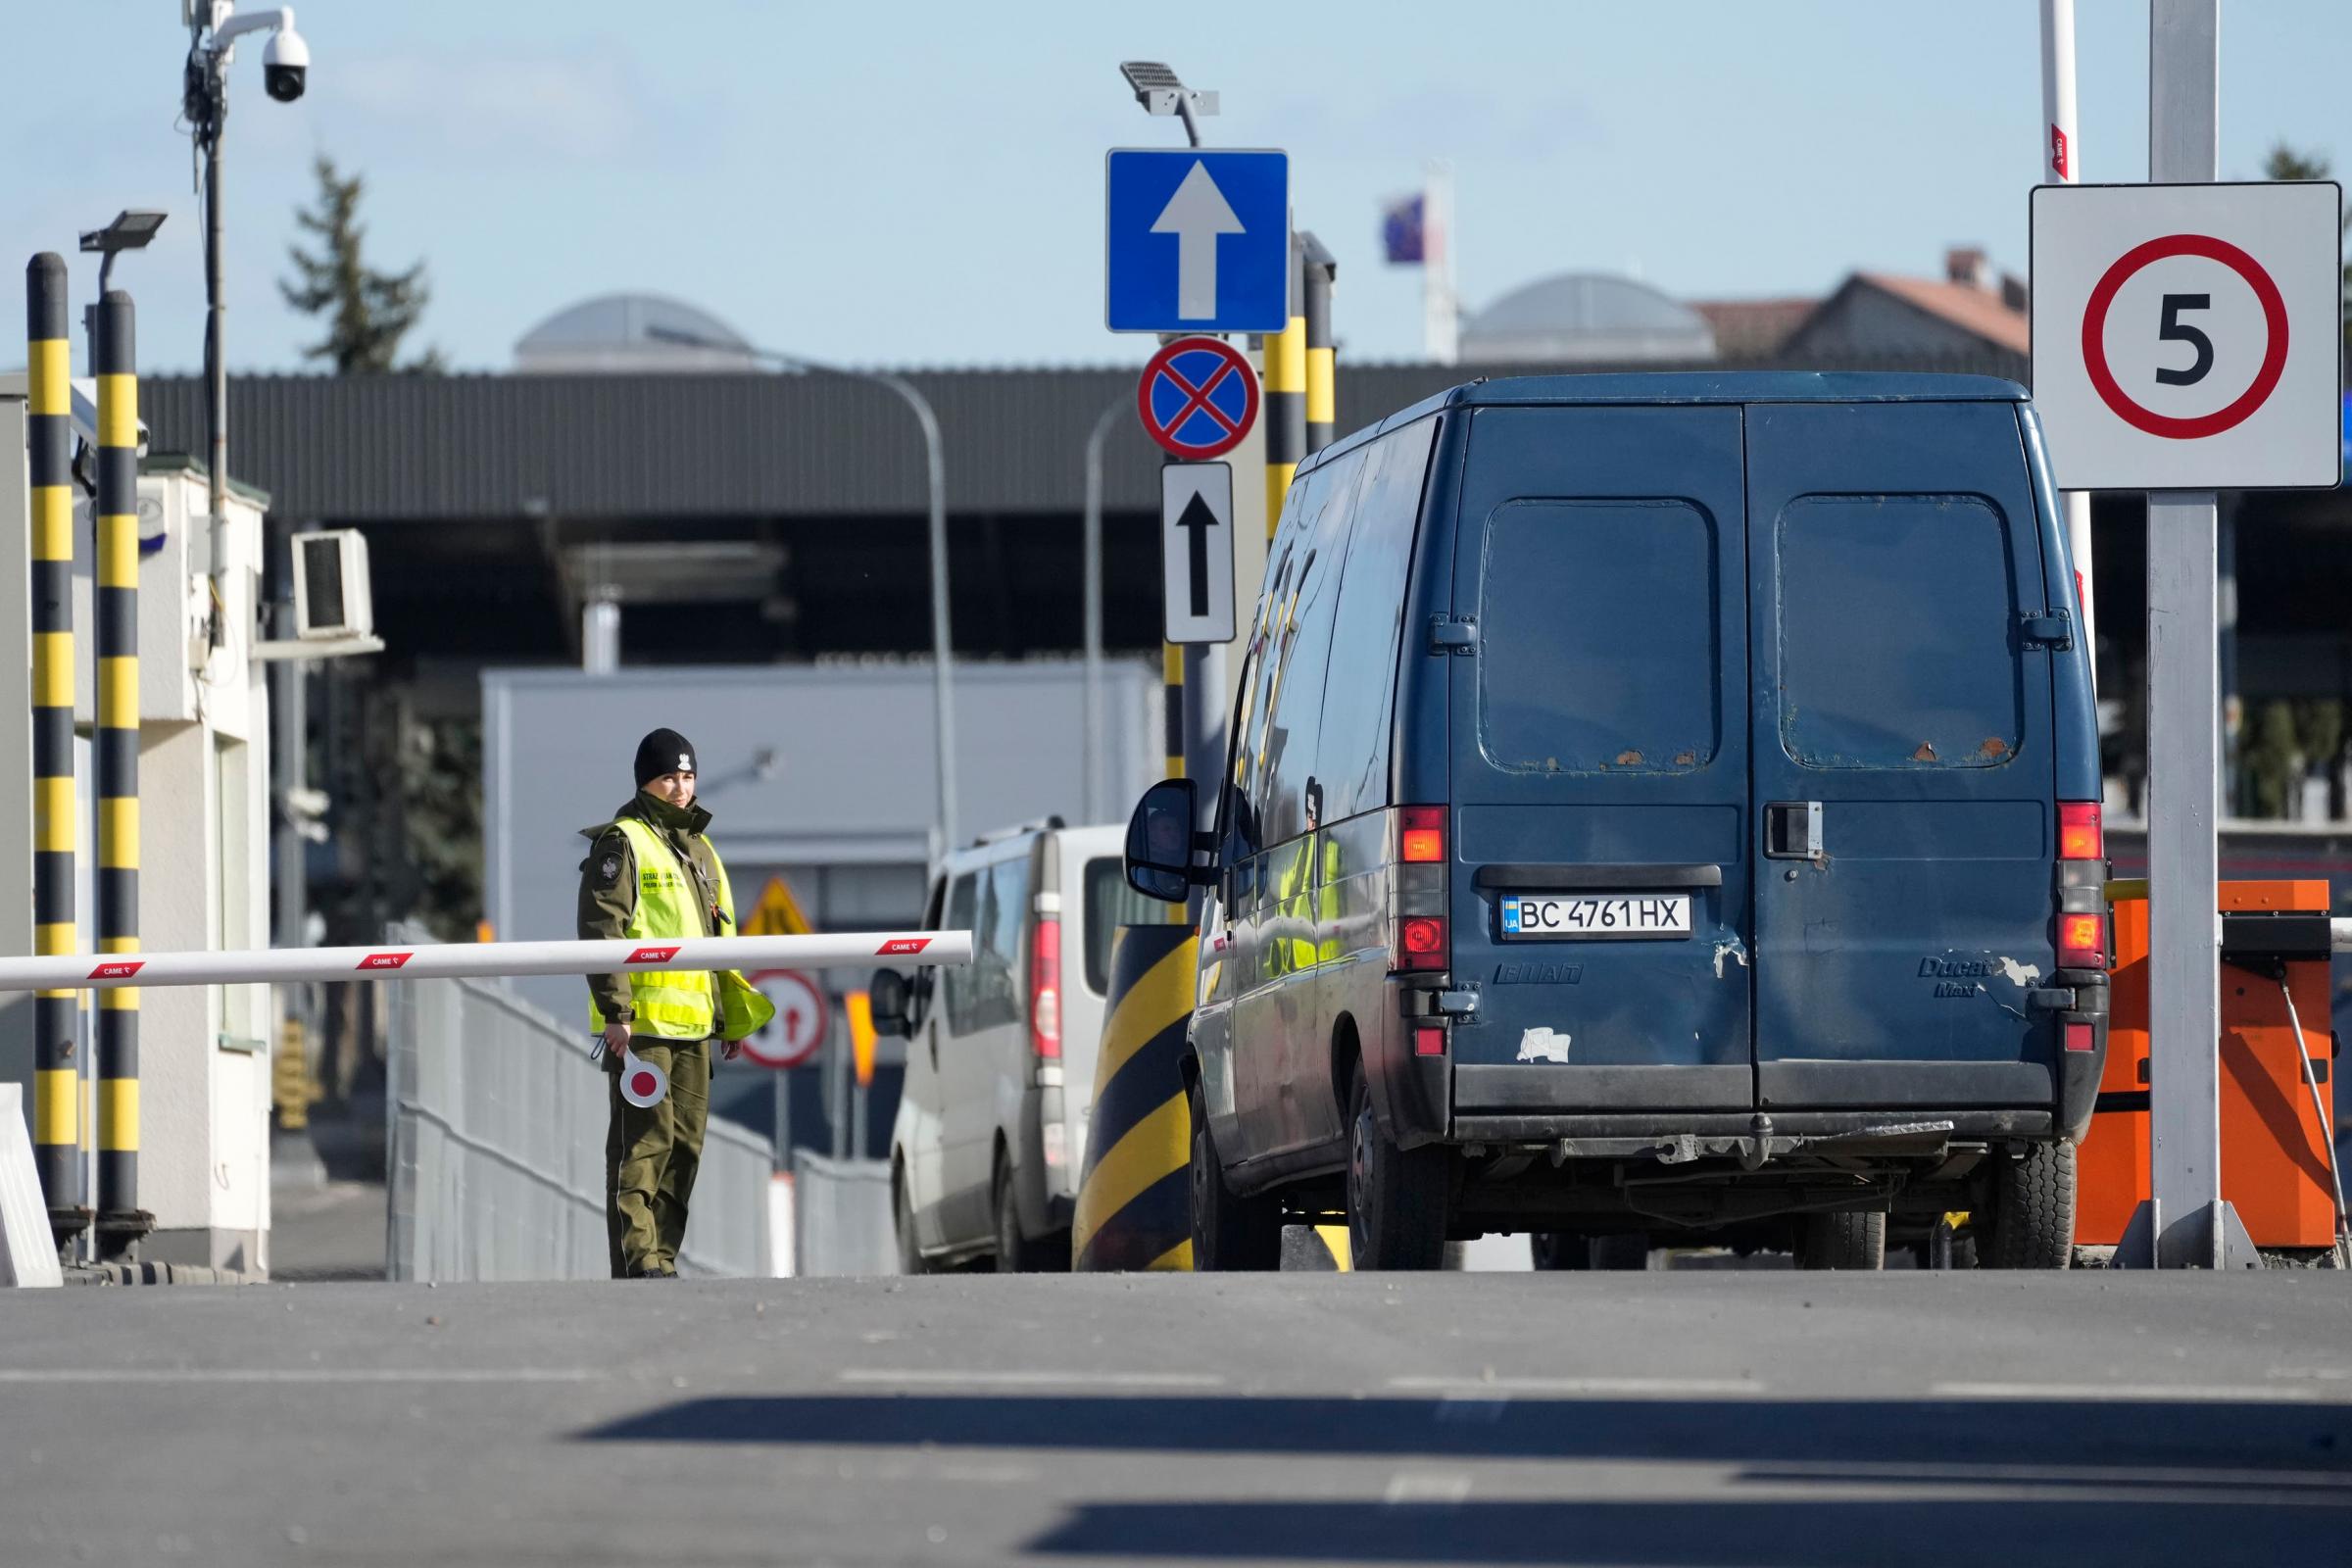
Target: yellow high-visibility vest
(1302, 899)
(671, 1004)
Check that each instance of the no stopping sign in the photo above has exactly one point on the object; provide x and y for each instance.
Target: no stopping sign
(2187, 337)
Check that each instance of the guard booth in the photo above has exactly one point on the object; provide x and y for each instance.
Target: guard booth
(2275, 1158)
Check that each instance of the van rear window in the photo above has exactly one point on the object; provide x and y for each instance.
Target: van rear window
(1897, 616)
(1597, 644)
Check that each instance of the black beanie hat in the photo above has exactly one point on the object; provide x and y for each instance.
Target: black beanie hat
(665, 751)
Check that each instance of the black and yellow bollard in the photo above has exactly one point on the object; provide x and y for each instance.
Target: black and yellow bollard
(1319, 271)
(1171, 706)
(114, 357)
(1284, 401)
(1135, 1195)
(56, 1067)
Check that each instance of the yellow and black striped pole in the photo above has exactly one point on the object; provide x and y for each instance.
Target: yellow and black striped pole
(1135, 1195)
(114, 357)
(56, 1069)
(1172, 692)
(1285, 410)
(1320, 271)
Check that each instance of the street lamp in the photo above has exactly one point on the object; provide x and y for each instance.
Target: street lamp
(942, 648)
(1157, 89)
(130, 230)
(1094, 603)
(214, 28)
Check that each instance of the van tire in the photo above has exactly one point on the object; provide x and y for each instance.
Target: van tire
(902, 1209)
(2032, 1223)
(1018, 1252)
(1854, 1239)
(1564, 1252)
(1396, 1197)
(1625, 1253)
(1231, 1234)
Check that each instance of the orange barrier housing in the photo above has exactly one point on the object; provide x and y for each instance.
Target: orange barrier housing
(2273, 1154)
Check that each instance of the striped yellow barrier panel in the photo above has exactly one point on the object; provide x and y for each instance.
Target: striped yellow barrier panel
(1134, 1196)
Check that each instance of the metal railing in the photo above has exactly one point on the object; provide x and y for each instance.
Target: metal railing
(497, 1151)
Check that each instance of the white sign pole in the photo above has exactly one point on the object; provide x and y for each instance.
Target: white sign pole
(2186, 1225)
(79, 971)
(2062, 163)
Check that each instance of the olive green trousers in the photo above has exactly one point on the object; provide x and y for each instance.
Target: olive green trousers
(651, 1155)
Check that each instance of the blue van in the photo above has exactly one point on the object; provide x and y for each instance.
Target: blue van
(1661, 809)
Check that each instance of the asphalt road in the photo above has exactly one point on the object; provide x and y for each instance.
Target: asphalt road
(1917, 1419)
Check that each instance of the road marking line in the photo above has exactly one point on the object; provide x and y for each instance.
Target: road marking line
(1032, 1379)
(2258, 1393)
(321, 1374)
(1424, 1488)
(1635, 1387)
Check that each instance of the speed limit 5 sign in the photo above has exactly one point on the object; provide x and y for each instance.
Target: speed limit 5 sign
(2189, 337)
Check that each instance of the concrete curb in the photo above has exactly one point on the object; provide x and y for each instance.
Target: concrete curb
(154, 1274)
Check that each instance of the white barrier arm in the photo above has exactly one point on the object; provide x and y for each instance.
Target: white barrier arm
(491, 960)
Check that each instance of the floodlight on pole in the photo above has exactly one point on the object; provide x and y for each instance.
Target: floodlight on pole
(130, 230)
(1157, 89)
(935, 464)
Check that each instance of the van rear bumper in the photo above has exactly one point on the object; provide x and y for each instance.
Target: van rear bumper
(1968, 1124)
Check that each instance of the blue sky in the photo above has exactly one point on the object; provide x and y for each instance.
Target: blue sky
(921, 183)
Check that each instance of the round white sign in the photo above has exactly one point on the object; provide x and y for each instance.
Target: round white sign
(803, 1014)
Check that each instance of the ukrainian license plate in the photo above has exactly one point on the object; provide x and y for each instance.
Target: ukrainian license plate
(1552, 916)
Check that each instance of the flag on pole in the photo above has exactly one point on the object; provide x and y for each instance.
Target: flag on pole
(1402, 232)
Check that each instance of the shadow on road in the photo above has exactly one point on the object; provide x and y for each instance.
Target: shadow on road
(1859, 1482)
(2059, 1432)
(2090, 1533)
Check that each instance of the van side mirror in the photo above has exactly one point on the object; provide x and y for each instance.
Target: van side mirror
(1161, 839)
(892, 1003)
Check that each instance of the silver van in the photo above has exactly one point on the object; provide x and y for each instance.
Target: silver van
(991, 1132)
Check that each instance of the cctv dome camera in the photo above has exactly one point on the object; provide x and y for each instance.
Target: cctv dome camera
(285, 66)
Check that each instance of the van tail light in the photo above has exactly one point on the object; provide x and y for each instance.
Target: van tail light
(1422, 841)
(2079, 1037)
(1045, 989)
(1429, 1040)
(2082, 941)
(1418, 942)
(2081, 836)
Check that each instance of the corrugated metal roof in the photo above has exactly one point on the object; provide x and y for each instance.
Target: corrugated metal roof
(430, 448)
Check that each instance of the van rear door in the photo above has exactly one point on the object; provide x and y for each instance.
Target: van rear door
(1903, 759)
(1599, 761)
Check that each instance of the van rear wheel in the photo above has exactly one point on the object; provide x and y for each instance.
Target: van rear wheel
(2032, 1223)
(1852, 1240)
(1018, 1252)
(910, 1252)
(1562, 1250)
(1231, 1234)
(1396, 1197)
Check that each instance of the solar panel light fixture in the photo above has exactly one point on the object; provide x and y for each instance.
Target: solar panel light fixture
(130, 230)
(1157, 89)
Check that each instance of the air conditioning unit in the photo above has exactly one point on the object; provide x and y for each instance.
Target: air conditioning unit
(331, 599)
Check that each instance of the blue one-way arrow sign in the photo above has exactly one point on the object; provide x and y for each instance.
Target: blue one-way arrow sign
(1200, 241)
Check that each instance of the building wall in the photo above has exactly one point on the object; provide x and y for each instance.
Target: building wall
(847, 793)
